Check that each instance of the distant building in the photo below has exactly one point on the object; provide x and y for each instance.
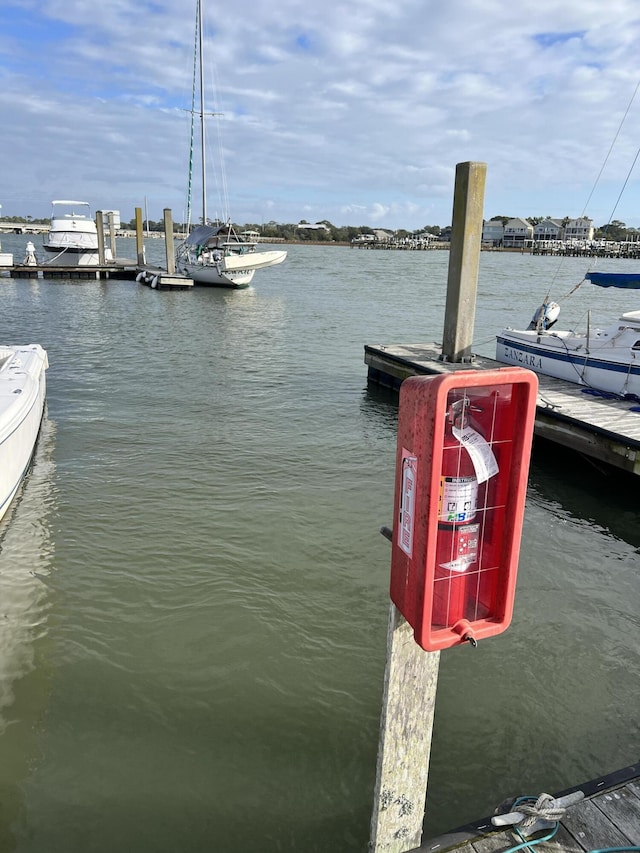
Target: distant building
(580, 230)
(548, 229)
(493, 232)
(382, 235)
(316, 226)
(518, 233)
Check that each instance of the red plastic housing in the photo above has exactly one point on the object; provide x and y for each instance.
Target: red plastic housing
(464, 445)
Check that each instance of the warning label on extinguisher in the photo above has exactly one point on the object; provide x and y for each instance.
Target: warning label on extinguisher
(458, 499)
(406, 519)
(464, 548)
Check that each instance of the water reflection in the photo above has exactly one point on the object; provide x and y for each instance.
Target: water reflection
(580, 489)
(26, 553)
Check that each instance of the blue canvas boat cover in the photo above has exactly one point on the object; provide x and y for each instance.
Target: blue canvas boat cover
(614, 279)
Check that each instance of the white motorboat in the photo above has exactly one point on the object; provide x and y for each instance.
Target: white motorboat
(606, 360)
(215, 255)
(73, 236)
(22, 397)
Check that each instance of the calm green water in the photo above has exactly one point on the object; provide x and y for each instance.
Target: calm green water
(194, 590)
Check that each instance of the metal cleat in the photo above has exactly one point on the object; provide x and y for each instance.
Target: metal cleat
(531, 816)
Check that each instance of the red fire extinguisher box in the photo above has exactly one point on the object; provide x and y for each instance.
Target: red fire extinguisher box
(464, 444)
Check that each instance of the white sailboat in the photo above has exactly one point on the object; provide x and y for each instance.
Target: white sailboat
(216, 255)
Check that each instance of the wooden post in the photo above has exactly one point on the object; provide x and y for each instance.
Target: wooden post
(100, 230)
(139, 238)
(112, 234)
(168, 241)
(464, 260)
(408, 707)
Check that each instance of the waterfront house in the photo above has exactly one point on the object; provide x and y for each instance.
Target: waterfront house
(518, 233)
(548, 229)
(579, 230)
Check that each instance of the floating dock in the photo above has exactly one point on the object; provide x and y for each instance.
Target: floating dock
(160, 279)
(123, 269)
(603, 429)
(607, 817)
(153, 276)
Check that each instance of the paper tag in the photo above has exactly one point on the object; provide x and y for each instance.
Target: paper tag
(484, 462)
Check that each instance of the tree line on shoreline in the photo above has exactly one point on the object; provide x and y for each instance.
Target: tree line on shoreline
(325, 232)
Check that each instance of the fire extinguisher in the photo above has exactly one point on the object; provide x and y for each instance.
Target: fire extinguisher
(457, 545)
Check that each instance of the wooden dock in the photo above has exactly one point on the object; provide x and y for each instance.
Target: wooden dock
(608, 817)
(129, 270)
(605, 430)
(122, 269)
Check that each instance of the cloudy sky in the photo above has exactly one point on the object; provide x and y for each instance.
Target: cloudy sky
(352, 111)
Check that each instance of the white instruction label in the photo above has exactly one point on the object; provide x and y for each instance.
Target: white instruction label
(458, 499)
(407, 511)
(484, 461)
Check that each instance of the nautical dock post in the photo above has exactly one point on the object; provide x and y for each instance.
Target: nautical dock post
(112, 234)
(464, 261)
(100, 230)
(139, 238)
(168, 241)
(411, 674)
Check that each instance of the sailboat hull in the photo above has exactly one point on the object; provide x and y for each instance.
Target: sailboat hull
(211, 276)
(232, 270)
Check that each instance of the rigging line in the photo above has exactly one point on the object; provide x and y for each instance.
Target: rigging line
(215, 160)
(626, 181)
(615, 138)
(597, 180)
(193, 108)
(222, 187)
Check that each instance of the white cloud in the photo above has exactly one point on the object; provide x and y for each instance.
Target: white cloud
(346, 111)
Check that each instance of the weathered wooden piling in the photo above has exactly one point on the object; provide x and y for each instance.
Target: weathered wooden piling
(139, 238)
(100, 230)
(168, 241)
(411, 674)
(464, 261)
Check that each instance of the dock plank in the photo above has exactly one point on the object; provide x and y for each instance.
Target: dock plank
(606, 430)
(592, 828)
(563, 842)
(607, 818)
(622, 807)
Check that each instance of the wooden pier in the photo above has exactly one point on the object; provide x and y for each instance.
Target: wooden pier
(608, 816)
(605, 430)
(122, 269)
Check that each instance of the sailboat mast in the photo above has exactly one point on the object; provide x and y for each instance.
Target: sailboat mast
(202, 126)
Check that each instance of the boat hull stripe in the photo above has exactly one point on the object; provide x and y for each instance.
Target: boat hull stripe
(568, 358)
